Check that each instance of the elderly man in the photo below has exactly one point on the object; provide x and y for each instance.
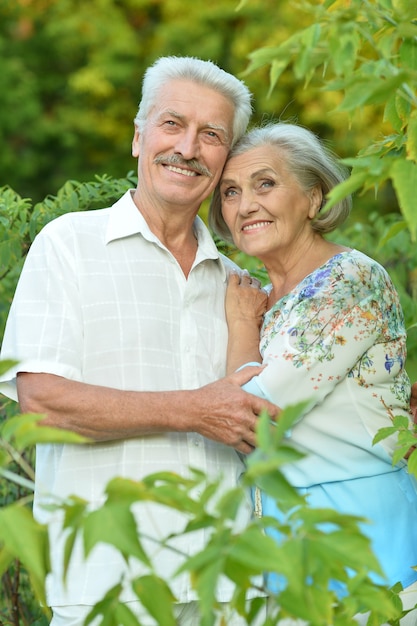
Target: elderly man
(118, 325)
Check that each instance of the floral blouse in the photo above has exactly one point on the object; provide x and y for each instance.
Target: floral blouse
(338, 339)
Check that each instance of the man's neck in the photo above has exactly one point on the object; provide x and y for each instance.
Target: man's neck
(174, 228)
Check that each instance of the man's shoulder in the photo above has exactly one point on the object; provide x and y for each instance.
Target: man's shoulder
(76, 222)
(229, 265)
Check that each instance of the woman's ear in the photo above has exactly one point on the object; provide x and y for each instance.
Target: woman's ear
(316, 200)
(135, 142)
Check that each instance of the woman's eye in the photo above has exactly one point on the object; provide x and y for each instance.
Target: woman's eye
(229, 193)
(267, 183)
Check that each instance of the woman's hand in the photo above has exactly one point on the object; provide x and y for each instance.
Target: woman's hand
(245, 300)
(245, 306)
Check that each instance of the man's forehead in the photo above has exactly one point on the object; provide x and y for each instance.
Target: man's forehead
(187, 97)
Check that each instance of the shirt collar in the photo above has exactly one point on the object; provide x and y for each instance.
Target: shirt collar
(125, 220)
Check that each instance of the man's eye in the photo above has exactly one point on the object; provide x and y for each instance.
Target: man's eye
(213, 137)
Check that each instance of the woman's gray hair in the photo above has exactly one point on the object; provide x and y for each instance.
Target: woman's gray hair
(203, 72)
(307, 158)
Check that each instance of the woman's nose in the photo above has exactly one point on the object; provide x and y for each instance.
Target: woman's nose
(248, 204)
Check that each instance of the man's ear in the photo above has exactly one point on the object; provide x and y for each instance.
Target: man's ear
(135, 143)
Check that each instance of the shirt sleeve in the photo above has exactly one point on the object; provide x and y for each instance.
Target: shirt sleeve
(43, 330)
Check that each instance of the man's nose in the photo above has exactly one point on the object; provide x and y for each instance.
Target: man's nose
(188, 144)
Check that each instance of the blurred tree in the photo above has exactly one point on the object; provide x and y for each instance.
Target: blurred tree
(71, 74)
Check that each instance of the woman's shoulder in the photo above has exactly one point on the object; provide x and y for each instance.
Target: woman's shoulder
(348, 275)
(355, 263)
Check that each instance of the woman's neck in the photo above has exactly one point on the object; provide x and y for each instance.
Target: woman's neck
(285, 273)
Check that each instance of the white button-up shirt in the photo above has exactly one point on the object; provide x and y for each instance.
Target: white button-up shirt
(102, 301)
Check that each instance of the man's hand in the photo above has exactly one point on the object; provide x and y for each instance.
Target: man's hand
(231, 414)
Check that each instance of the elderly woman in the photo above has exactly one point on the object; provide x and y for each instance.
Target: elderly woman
(331, 331)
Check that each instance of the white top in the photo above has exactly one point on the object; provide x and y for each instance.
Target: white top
(102, 301)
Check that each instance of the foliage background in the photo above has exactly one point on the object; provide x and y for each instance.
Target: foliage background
(71, 74)
(69, 89)
(70, 86)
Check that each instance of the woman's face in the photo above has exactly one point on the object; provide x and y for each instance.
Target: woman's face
(263, 204)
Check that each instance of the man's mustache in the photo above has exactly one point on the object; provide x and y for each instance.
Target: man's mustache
(178, 161)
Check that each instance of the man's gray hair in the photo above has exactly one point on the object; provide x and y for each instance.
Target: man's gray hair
(202, 72)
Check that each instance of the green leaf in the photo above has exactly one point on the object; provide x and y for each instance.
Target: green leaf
(261, 57)
(403, 107)
(156, 597)
(383, 433)
(348, 187)
(391, 113)
(249, 552)
(404, 179)
(165, 488)
(6, 365)
(305, 59)
(366, 92)
(276, 485)
(343, 50)
(205, 569)
(25, 430)
(412, 137)
(412, 463)
(68, 548)
(17, 478)
(26, 540)
(6, 558)
(277, 68)
(364, 595)
(114, 524)
(229, 503)
(112, 611)
(391, 232)
(408, 52)
(352, 549)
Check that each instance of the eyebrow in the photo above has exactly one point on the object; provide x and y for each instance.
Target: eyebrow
(253, 176)
(210, 125)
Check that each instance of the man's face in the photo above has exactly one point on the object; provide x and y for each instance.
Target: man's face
(183, 146)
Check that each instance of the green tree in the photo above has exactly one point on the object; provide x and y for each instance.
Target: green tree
(357, 56)
(365, 50)
(71, 73)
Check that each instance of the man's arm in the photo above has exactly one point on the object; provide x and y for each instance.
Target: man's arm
(221, 411)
